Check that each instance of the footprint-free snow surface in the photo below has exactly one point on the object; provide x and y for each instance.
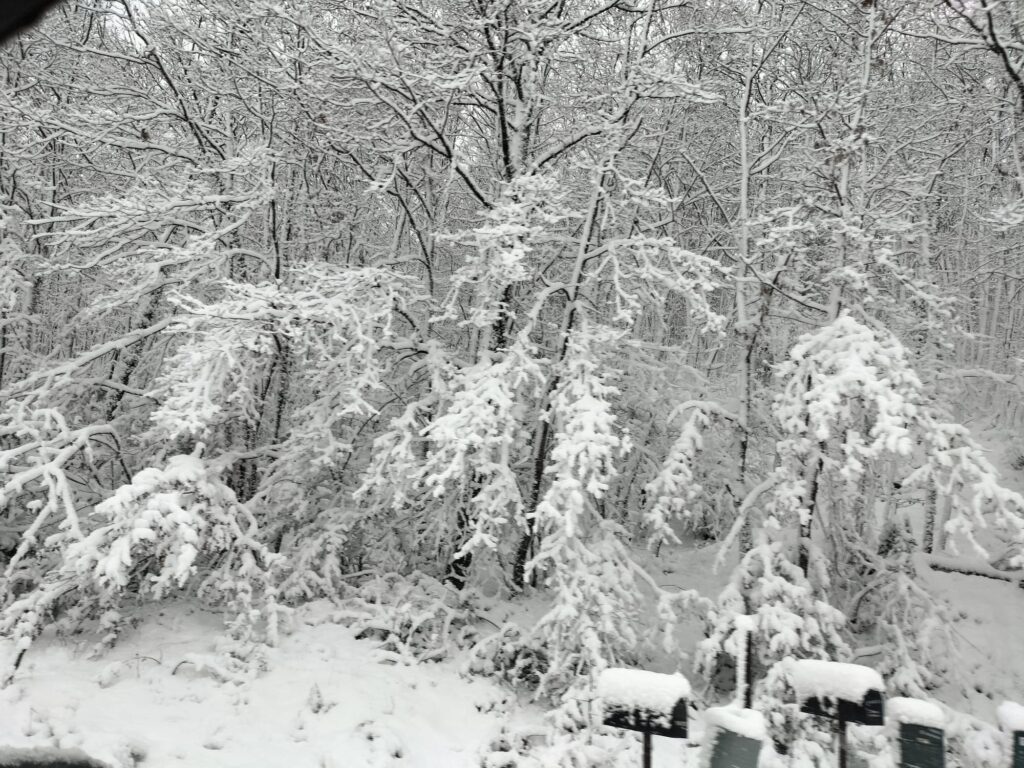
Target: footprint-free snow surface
(324, 703)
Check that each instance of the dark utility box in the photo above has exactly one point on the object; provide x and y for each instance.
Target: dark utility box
(870, 711)
(673, 725)
(922, 746)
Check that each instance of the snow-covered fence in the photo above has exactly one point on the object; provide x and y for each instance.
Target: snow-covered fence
(649, 702)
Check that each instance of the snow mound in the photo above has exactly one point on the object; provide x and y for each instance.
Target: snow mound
(833, 679)
(1011, 716)
(745, 722)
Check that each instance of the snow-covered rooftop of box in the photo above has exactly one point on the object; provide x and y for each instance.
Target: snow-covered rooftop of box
(833, 679)
(1011, 716)
(917, 711)
(745, 722)
(641, 689)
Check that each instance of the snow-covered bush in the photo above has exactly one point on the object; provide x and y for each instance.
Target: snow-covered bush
(413, 618)
(851, 403)
(173, 530)
(771, 605)
(319, 560)
(581, 557)
(674, 489)
(530, 749)
(692, 485)
(894, 599)
(857, 423)
(512, 655)
(504, 247)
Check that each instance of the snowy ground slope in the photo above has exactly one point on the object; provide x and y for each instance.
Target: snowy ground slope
(127, 708)
(988, 614)
(327, 703)
(989, 630)
(366, 714)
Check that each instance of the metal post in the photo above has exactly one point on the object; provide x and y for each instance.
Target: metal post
(841, 725)
(647, 750)
(748, 689)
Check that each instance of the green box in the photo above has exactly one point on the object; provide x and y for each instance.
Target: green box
(734, 751)
(922, 746)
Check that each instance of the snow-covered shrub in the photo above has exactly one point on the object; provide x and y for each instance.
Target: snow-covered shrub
(852, 403)
(594, 582)
(674, 489)
(39, 460)
(414, 618)
(173, 530)
(512, 655)
(207, 379)
(600, 596)
(319, 560)
(893, 599)
(474, 440)
(770, 604)
(856, 422)
(532, 749)
(692, 484)
(446, 468)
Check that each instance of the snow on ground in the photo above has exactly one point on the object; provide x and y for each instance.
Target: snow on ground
(989, 629)
(323, 704)
(326, 702)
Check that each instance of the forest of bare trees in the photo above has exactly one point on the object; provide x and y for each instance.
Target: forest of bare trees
(503, 292)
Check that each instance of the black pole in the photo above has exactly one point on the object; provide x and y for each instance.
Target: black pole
(647, 750)
(748, 662)
(841, 725)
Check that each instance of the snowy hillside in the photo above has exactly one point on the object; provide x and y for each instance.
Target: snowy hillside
(329, 700)
(326, 702)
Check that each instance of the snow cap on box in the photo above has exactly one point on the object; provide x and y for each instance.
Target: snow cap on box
(1011, 716)
(915, 711)
(745, 722)
(640, 689)
(833, 679)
